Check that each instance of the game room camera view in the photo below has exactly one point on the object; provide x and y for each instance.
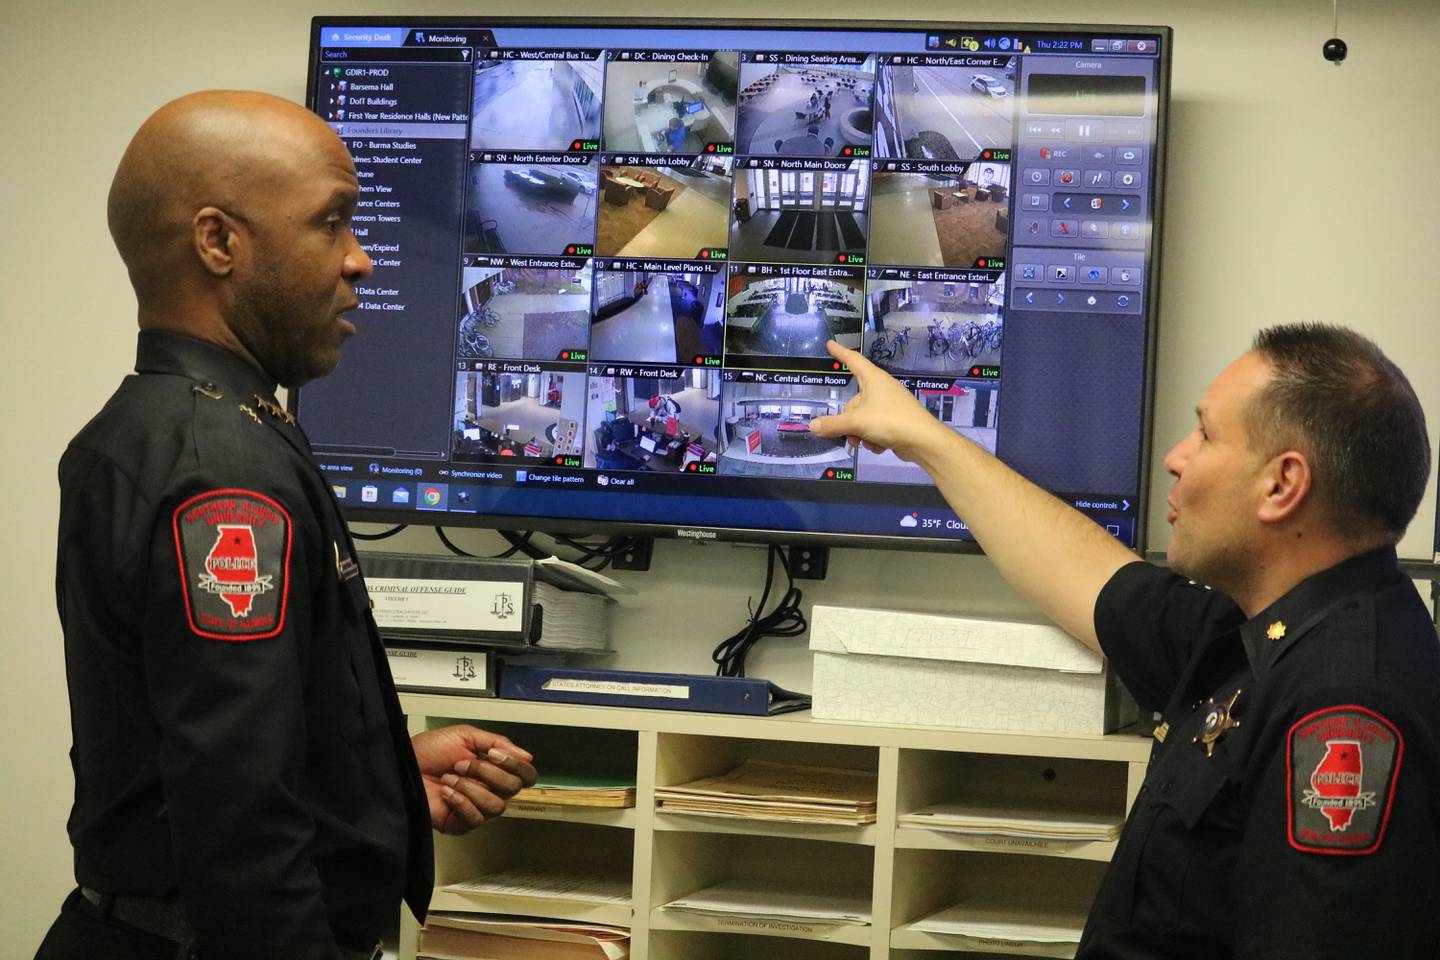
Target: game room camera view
(932, 220)
(670, 211)
(944, 113)
(792, 316)
(642, 423)
(670, 107)
(804, 110)
(801, 216)
(523, 314)
(967, 408)
(534, 415)
(529, 208)
(919, 327)
(530, 105)
(765, 430)
(646, 316)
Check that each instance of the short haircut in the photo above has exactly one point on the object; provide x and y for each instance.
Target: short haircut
(1334, 396)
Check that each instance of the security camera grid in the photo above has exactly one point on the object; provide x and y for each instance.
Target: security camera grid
(966, 406)
(670, 101)
(659, 420)
(529, 203)
(804, 104)
(777, 314)
(950, 322)
(815, 213)
(663, 207)
(536, 104)
(944, 106)
(520, 312)
(658, 312)
(535, 414)
(765, 426)
(955, 217)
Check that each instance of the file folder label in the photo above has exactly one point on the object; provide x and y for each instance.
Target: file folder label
(622, 688)
(491, 605)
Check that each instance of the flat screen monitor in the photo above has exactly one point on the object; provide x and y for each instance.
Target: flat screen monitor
(579, 225)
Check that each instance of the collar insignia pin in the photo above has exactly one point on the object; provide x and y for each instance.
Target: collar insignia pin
(1218, 720)
(253, 415)
(1276, 630)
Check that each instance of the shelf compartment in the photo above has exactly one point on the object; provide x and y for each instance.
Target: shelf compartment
(695, 945)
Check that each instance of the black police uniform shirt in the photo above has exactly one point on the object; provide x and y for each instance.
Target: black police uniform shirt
(237, 737)
(1292, 803)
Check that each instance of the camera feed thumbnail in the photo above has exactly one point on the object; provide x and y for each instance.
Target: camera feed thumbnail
(666, 425)
(950, 112)
(532, 415)
(535, 105)
(523, 313)
(804, 109)
(671, 315)
(939, 220)
(935, 326)
(670, 106)
(765, 428)
(801, 216)
(967, 407)
(672, 211)
(535, 208)
(790, 315)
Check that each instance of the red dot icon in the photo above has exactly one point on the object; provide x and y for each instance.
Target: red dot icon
(986, 155)
(709, 148)
(691, 468)
(704, 254)
(699, 359)
(565, 355)
(559, 459)
(830, 474)
(841, 258)
(982, 262)
(847, 151)
(834, 366)
(974, 371)
(569, 249)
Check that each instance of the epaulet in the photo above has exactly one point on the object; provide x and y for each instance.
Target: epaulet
(227, 429)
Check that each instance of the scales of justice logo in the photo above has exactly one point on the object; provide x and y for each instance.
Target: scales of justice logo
(232, 569)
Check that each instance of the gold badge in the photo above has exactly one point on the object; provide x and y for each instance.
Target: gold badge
(1276, 630)
(1218, 720)
(274, 409)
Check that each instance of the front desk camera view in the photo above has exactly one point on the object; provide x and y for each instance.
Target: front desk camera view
(609, 257)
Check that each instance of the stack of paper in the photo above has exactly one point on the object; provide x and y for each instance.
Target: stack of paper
(1072, 821)
(1028, 922)
(577, 886)
(761, 790)
(580, 790)
(572, 620)
(467, 936)
(768, 900)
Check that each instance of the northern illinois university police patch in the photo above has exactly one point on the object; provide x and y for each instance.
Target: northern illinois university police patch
(234, 552)
(1341, 765)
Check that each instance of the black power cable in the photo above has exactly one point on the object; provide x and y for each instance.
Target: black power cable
(382, 535)
(785, 620)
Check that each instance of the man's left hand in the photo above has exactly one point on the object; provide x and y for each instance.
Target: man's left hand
(469, 775)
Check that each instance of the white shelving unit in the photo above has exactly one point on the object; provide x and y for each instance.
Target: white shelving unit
(906, 873)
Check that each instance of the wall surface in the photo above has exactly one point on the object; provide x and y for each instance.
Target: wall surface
(1296, 191)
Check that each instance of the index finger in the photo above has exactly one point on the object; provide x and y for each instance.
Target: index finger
(854, 359)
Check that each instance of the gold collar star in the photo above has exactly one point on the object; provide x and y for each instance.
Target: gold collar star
(274, 409)
(1218, 720)
(1276, 630)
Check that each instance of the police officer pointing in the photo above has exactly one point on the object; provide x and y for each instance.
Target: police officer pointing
(245, 786)
(1292, 804)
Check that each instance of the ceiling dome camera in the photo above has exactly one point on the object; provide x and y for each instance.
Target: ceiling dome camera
(1335, 50)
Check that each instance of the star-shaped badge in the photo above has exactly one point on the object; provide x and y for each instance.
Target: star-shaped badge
(1276, 630)
(1218, 720)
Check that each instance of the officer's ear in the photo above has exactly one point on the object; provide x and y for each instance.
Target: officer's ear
(217, 236)
(1286, 483)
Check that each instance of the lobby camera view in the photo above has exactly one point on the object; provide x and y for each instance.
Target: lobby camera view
(523, 314)
(931, 220)
(944, 113)
(804, 110)
(933, 326)
(530, 105)
(529, 208)
(644, 423)
(765, 430)
(792, 316)
(801, 216)
(669, 107)
(535, 415)
(646, 316)
(671, 211)
(966, 407)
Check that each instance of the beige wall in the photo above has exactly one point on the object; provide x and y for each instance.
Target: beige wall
(1296, 190)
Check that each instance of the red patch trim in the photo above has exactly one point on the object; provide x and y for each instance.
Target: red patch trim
(184, 576)
(1389, 793)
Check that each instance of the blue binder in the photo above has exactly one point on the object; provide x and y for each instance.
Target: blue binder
(654, 691)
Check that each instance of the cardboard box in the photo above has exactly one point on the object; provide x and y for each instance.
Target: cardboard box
(885, 666)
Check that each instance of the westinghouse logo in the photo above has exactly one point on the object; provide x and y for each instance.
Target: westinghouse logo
(684, 534)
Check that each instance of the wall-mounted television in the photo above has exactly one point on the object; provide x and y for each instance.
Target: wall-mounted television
(608, 256)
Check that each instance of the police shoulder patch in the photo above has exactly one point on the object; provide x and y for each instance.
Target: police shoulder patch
(1341, 764)
(234, 553)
